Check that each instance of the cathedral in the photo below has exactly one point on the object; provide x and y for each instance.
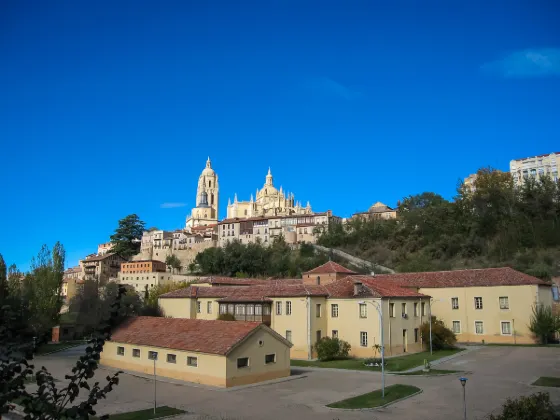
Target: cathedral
(269, 202)
(207, 194)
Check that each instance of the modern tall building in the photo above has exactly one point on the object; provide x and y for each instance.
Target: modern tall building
(535, 167)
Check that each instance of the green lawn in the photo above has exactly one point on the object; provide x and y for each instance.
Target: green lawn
(431, 372)
(394, 364)
(547, 381)
(162, 411)
(375, 399)
(50, 347)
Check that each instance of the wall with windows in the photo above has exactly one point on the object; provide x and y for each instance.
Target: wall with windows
(195, 367)
(292, 325)
(497, 314)
(261, 357)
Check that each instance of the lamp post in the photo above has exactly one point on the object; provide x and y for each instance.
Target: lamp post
(464, 382)
(380, 312)
(430, 310)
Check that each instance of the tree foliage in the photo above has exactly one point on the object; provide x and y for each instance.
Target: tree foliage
(531, 407)
(442, 337)
(151, 305)
(329, 348)
(493, 224)
(173, 262)
(254, 260)
(127, 236)
(544, 323)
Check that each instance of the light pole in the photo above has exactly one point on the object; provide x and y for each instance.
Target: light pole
(430, 310)
(464, 382)
(380, 312)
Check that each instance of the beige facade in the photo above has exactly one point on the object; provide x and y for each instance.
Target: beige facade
(470, 181)
(499, 314)
(255, 354)
(377, 211)
(207, 199)
(103, 249)
(144, 281)
(535, 167)
(295, 229)
(268, 202)
(101, 268)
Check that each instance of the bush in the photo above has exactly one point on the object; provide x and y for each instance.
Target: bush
(544, 323)
(328, 348)
(535, 406)
(226, 317)
(442, 337)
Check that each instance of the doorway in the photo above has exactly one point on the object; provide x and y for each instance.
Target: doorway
(404, 340)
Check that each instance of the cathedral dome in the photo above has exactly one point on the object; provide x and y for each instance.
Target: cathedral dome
(208, 171)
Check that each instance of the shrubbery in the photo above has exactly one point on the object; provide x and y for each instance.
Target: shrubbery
(544, 323)
(442, 337)
(328, 348)
(534, 406)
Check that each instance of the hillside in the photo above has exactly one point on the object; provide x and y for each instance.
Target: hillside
(493, 225)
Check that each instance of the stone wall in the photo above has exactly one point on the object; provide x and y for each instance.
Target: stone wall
(186, 256)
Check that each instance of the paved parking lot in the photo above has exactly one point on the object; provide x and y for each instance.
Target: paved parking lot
(495, 373)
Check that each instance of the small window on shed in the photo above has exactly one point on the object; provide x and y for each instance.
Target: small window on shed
(242, 362)
(192, 361)
(270, 358)
(171, 358)
(120, 351)
(135, 352)
(152, 355)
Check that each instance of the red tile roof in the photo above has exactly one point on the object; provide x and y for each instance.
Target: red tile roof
(196, 335)
(504, 276)
(330, 267)
(371, 287)
(250, 294)
(234, 281)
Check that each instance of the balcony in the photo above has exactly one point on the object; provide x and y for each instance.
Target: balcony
(256, 312)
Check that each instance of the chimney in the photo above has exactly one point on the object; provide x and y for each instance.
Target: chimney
(357, 288)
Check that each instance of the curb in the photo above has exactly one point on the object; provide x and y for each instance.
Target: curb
(378, 407)
(428, 376)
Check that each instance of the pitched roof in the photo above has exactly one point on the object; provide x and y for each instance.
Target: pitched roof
(197, 335)
(371, 287)
(255, 293)
(503, 276)
(330, 267)
(102, 257)
(234, 281)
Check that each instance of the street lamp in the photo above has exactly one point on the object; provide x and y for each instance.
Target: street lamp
(464, 382)
(380, 312)
(430, 308)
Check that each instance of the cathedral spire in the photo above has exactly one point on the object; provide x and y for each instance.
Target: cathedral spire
(269, 177)
(235, 198)
(208, 163)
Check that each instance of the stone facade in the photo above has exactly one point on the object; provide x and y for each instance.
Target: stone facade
(207, 199)
(377, 211)
(535, 167)
(268, 202)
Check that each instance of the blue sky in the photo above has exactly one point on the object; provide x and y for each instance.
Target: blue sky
(111, 108)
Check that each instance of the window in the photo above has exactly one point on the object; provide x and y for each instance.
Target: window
(506, 328)
(423, 308)
(209, 307)
(454, 303)
(289, 307)
(363, 339)
(198, 310)
(478, 327)
(318, 335)
(289, 335)
(415, 308)
(192, 361)
(334, 310)
(120, 351)
(152, 355)
(318, 310)
(334, 334)
(278, 308)
(223, 308)
(504, 302)
(171, 358)
(363, 310)
(269, 358)
(403, 310)
(242, 362)
(456, 328)
(239, 309)
(392, 310)
(135, 352)
(477, 303)
(416, 335)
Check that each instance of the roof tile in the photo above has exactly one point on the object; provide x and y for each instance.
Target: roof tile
(330, 267)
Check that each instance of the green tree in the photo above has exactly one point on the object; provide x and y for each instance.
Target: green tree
(87, 306)
(531, 407)
(42, 287)
(173, 262)
(127, 236)
(328, 348)
(442, 337)
(544, 323)
(3, 280)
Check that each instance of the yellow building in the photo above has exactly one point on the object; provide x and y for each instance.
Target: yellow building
(218, 353)
(492, 305)
(303, 313)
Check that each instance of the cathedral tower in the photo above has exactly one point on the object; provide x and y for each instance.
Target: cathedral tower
(207, 195)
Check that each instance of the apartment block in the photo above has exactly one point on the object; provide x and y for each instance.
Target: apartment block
(142, 275)
(101, 268)
(535, 167)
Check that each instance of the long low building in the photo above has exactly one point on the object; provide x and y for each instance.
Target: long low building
(218, 353)
(491, 305)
